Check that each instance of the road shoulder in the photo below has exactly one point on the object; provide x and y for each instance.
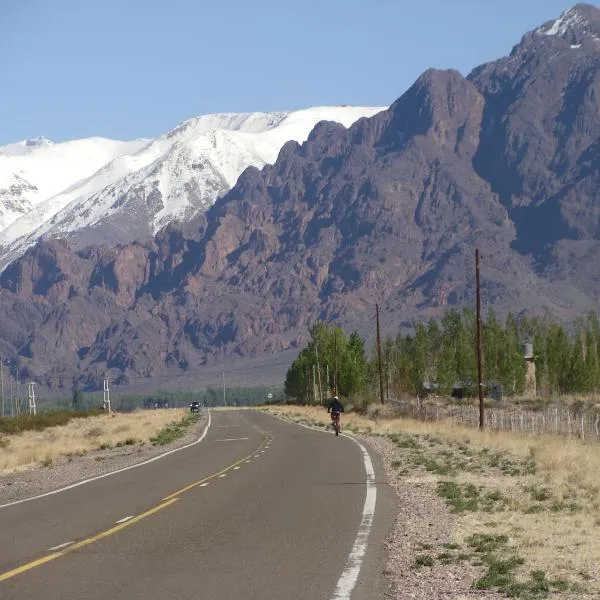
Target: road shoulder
(71, 469)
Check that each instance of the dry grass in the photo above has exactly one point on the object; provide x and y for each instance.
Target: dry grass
(20, 451)
(550, 486)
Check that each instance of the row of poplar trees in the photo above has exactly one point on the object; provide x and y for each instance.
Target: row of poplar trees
(442, 353)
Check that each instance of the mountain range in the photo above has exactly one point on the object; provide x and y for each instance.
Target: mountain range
(97, 190)
(388, 210)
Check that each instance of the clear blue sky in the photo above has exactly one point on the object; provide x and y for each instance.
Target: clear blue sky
(136, 68)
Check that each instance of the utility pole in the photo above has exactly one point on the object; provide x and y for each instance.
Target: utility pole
(2, 385)
(32, 406)
(18, 391)
(387, 376)
(379, 356)
(224, 391)
(12, 405)
(106, 403)
(314, 384)
(479, 367)
(319, 372)
(335, 364)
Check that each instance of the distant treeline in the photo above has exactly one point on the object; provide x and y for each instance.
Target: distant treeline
(441, 354)
(125, 402)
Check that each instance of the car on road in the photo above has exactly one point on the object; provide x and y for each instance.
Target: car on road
(195, 406)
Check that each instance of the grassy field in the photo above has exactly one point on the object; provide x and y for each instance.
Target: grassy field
(527, 507)
(43, 443)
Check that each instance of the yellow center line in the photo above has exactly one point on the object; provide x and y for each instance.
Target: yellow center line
(167, 501)
(82, 543)
(205, 479)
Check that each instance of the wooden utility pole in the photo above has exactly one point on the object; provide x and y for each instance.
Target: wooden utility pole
(319, 372)
(379, 356)
(224, 389)
(335, 367)
(2, 386)
(18, 391)
(479, 366)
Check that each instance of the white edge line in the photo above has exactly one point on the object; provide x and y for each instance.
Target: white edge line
(349, 577)
(59, 546)
(145, 462)
(125, 519)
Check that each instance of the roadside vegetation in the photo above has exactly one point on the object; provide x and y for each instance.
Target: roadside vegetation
(525, 508)
(41, 421)
(55, 435)
(174, 430)
(439, 354)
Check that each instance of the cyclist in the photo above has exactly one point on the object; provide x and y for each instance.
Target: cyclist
(335, 407)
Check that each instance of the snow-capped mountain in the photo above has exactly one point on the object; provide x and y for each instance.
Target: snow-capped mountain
(34, 170)
(576, 25)
(96, 190)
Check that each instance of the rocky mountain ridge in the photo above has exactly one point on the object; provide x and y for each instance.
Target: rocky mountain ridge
(106, 191)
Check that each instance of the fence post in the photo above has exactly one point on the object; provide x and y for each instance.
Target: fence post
(543, 422)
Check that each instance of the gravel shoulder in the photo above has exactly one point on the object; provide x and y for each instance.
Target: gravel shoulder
(423, 525)
(71, 469)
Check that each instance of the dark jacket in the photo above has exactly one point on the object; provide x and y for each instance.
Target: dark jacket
(335, 406)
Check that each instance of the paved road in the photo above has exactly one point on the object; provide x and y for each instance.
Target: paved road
(259, 509)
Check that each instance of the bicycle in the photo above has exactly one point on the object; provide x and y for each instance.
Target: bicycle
(335, 420)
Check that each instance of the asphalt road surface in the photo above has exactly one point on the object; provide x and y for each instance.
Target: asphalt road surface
(259, 509)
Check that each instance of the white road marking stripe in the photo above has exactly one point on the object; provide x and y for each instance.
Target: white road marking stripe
(59, 546)
(145, 462)
(125, 519)
(257, 456)
(347, 581)
(205, 484)
(223, 475)
(227, 425)
(235, 468)
(349, 577)
(232, 439)
(248, 461)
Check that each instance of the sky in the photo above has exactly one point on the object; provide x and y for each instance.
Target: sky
(130, 69)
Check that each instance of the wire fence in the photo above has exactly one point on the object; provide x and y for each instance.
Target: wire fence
(552, 420)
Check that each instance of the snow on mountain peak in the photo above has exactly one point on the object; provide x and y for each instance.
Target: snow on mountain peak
(581, 20)
(124, 190)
